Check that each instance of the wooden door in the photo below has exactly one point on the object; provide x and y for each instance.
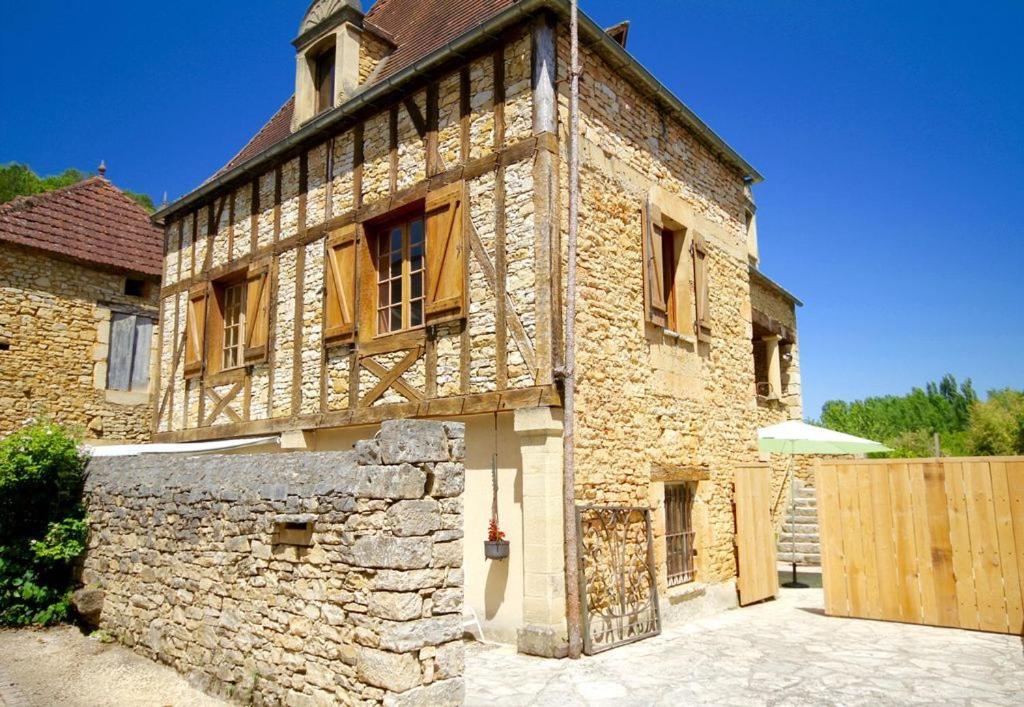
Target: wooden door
(755, 536)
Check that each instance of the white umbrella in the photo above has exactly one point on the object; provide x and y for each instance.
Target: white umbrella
(797, 437)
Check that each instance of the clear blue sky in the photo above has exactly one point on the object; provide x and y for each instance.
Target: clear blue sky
(891, 136)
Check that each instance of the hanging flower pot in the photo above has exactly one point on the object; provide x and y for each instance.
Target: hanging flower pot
(496, 546)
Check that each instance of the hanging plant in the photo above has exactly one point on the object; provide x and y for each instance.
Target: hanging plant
(496, 546)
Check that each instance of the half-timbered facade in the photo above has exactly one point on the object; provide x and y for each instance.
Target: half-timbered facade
(391, 244)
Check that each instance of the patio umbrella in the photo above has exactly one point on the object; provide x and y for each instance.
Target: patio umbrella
(797, 437)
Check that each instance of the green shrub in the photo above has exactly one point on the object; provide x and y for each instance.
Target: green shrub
(42, 523)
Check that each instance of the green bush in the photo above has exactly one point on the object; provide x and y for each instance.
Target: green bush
(42, 523)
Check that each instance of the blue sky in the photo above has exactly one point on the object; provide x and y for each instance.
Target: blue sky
(891, 136)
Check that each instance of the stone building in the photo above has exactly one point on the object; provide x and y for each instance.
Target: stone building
(391, 244)
(79, 289)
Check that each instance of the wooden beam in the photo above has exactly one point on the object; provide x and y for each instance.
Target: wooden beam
(465, 113)
(387, 378)
(499, 97)
(418, 121)
(441, 407)
(500, 275)
(277, 204)
(300, 279)
(221, 403)
(434, 161)
(393, 149)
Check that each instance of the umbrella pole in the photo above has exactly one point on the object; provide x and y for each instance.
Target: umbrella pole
(794, 584)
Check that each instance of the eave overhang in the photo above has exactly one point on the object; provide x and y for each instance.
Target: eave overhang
(378, 96)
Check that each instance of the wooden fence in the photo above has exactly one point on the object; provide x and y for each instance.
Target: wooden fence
(926, 541)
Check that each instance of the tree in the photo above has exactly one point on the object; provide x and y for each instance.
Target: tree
(908, 422)
(19, 180)
(997, 425)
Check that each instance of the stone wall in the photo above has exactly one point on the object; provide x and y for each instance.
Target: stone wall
(55, 324)
(199, 572)
(647, 398)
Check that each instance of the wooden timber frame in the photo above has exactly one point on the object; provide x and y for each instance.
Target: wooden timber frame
(539, 354)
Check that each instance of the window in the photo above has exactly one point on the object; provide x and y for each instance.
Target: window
(767, 364)
(234, 326)
(399, 262)
(679, 534)
(134, 288)
(235, 312)
(675, 276)
(131, 337)
(324, 78)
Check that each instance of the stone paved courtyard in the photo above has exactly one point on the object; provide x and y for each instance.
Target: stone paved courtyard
(782, 652)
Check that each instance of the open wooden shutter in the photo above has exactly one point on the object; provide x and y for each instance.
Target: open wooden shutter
(340, 308)
(446, 254)
(257, 312)
(700, 280)
(655, 300)
(195, 330)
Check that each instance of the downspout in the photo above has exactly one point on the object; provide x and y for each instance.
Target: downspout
(572, 571)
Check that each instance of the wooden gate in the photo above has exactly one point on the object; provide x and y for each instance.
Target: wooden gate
(938, 542)
(755, 535)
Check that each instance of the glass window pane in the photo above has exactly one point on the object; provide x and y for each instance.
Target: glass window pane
(416, 286)
(396, 318)
(416, 313)
(416, 233)
(396, 241)
(383, 295)
(396, 291)
(382, 321)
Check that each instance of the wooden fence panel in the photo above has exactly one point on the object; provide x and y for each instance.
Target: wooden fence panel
(833, 563)
(755, 536)
(937, 542)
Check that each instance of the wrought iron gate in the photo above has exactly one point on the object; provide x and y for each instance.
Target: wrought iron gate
(618, 584)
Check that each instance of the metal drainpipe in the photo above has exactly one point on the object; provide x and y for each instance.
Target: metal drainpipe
(572, 586)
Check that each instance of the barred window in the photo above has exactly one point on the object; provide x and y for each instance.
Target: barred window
(679, 533)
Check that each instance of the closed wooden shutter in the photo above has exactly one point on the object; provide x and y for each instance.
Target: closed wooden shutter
(446, 254)
(257, 312)
(122, 345)
(701, 288)
(340, 308)
(655, 299)
(141, 358)
(195, 331)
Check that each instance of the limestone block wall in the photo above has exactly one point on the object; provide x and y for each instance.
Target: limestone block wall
(201, 570)
(647, 398)
(55, 332)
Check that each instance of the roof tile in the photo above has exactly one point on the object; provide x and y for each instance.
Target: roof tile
(91, 221)
(417, 27)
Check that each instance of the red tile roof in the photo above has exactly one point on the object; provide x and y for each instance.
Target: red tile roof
(91, 221)
(417, 28)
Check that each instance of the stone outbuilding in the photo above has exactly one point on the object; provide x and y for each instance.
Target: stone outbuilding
(391, 244)
(79, 286)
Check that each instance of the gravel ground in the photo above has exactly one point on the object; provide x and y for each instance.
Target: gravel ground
(60, 666)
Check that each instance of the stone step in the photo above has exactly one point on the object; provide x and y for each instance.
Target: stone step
(788, 538)
(803, 559)
(800, 528)
(803, 513)
(800, 547)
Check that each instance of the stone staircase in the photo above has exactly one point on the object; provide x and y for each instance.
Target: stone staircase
(800, 527)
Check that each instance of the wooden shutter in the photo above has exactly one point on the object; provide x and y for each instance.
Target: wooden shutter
(446, 254)
(700, 284)
(257, 312)
(655, 300)
(119, 360)
(141, 356)
(195, 331)
(340, 308)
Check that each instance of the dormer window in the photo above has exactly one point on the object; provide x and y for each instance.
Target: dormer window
(324, 77)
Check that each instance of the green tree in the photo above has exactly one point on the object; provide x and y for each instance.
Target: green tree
(997, 425)
(907, 422)
(19, 180)
(42, 522)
